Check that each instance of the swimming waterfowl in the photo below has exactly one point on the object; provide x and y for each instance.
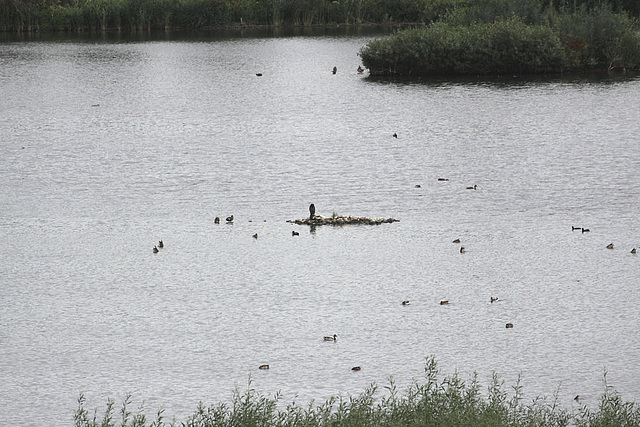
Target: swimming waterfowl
(217, 220)
(418, 186)
(255, 236)
(360, 69)
(633, 251)
(456, 241)
(263, 367)
(406, 302)
(575, 228)
(444, 302)
(335, 70)
(333, 338)
(585, 230)
(312, 211)
(509, 325)
(259, 74)
(494, 299)
(462, 250)
(475, 187)
(294, 233)
(160, 244)
(610, 246)
(395, 135)
(356, 368)
(443, 179)
(230, 218)
(155, 249)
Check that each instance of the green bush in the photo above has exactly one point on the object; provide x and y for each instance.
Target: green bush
(507, 46)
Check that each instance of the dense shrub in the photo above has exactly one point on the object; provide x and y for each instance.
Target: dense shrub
(507, 46)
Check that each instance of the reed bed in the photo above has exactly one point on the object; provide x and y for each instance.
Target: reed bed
(135, 15)
(447, 402)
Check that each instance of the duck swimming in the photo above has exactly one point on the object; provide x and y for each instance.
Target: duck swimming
(333, 338)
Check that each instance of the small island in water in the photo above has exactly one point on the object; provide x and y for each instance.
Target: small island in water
(507, 38)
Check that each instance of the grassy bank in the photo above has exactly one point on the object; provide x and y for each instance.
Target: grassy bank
(510, 37)
(132, 15)
(447, 402)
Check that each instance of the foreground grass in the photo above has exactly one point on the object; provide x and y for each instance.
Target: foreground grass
(448, 402)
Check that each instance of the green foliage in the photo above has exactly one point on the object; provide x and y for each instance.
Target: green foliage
(100, 15)
(506, 46)
(450, 402)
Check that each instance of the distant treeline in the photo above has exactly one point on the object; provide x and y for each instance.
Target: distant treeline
(133, 15)
(512, 37)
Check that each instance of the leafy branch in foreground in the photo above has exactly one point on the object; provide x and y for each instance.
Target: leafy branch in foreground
(449, 402)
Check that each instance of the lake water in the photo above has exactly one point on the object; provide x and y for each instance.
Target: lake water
(108, 145)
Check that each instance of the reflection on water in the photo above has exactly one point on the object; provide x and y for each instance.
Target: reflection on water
(108, 146)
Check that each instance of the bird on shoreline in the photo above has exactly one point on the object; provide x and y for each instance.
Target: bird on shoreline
(360, 69)
(312, 211)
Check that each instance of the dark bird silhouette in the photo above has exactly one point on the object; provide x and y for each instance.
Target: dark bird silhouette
(230, 218)
(160, 244)
(255, 236)
(294, 233)
(263, 367)
(155, 249)
(356, 368)
(312, 211)
(333, 338)
(259, 74)
(444, 302)
(633, 251)
(456, 241)
(335, 70)
(585, 230)
(360, 69)
(610, 246)
(494, 299)
(575, 228)
(509, 325)
(405, 302)
(475, 187)
(462, 250)
(217, 220)
(395, 135)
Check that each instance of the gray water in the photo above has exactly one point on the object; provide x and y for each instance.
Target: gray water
(107, 146)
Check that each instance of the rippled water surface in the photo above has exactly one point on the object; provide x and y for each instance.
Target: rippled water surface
(107, 146)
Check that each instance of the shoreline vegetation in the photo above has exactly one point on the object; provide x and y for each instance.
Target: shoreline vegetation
(447, 402)
(499, 37)
(433, 37)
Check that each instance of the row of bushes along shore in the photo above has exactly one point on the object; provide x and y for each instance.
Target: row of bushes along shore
(510, 40)
(433, 402)
(132, 15)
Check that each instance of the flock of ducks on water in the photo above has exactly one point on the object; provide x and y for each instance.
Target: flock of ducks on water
(586, 230)
(334, 338)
